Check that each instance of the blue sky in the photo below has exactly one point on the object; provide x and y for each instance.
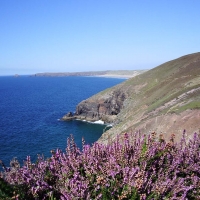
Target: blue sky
(86, 35)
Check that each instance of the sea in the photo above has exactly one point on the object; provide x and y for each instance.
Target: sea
(30, 112)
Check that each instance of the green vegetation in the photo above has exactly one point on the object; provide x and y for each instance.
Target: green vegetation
(191, 105)
(169, 88)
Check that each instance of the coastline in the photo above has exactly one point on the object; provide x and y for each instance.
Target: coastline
(123, 74)
(115, 76)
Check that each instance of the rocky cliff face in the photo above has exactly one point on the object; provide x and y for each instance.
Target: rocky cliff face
(105, 108)
(100, 107)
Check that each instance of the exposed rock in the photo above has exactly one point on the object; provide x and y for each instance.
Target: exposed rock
(68, 116)
(104, 109)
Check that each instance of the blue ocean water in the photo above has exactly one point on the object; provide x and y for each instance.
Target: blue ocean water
(30, 109)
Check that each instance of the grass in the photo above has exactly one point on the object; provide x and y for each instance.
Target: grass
(190, 105)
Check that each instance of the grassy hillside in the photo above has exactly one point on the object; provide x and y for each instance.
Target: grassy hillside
(165, 99)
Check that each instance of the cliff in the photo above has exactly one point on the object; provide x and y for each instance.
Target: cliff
(165, 99)
(104, 108)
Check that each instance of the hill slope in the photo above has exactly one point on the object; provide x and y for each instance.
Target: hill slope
(165, 99)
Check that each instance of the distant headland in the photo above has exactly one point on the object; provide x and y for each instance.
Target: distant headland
(109, 73)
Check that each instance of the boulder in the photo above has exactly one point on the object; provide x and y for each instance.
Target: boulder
(68, 116)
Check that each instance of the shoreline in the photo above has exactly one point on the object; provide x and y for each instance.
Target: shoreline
(124, 74)
(115, 76)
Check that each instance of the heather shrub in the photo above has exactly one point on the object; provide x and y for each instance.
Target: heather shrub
(134, 166)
